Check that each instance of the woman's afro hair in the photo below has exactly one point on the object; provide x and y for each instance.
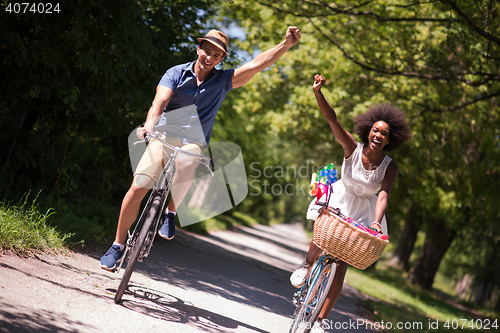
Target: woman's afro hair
(399, 131)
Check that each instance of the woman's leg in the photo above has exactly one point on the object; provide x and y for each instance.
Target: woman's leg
(299, 276)
(313, 253)
(335, 289)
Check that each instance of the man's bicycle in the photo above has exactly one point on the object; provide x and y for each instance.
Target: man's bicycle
(140, 240)
(341, 240)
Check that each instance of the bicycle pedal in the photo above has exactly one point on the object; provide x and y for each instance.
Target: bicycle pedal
(295, 298)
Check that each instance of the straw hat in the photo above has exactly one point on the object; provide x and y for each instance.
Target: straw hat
(217, 38)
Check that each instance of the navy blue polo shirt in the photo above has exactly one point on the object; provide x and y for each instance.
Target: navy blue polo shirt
(207, 97)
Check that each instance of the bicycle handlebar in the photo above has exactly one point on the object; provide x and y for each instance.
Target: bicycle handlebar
(205, 160)
(331, 209)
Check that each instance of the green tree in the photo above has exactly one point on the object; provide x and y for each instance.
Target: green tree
(75, 83)
(437, 60)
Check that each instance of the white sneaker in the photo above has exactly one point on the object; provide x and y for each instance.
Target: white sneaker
(301, 274)
(317, 327)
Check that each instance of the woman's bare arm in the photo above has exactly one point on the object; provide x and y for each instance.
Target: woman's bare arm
(341, 135)
(383, 195)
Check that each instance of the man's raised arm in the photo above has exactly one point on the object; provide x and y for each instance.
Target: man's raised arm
(244, 73)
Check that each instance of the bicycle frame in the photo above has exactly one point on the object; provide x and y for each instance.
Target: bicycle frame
(312, 295)
(161, 186)
(322, 261)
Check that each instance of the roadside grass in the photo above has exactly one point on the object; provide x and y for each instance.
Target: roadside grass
(24, 229)
(407, 308)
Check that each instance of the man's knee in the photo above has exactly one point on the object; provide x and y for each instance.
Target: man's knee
(186, 164)
(141, 183)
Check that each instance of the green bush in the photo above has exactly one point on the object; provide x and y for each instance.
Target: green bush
(23, 228)
(91, 223)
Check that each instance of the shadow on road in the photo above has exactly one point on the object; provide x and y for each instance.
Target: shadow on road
(14, 319)
(159, 305)
(228, 281)
(190, 262)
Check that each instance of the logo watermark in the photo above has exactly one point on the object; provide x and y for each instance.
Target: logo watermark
(429, 325)
(281, 180)
(199, 190)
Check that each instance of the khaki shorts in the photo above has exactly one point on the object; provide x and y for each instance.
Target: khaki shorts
(156, 156)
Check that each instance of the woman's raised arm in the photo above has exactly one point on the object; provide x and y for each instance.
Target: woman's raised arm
(341, 135)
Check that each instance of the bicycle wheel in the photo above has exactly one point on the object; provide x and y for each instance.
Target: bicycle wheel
(314, 298)
(152, 215)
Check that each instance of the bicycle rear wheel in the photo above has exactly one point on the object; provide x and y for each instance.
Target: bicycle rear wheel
(314, 297)
(153, 214)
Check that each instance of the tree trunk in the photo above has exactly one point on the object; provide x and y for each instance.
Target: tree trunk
(437, 241)
(407, 240)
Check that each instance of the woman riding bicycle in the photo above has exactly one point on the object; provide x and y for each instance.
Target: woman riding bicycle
(366, 170)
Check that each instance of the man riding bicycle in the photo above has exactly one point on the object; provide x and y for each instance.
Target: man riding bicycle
(196, 83)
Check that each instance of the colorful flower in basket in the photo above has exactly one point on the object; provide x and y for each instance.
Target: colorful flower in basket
(321, 181)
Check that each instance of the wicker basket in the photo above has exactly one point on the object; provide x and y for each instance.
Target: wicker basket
(347, 242)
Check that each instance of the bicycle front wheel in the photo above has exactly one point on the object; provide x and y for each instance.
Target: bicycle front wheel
(152, 215)
(314, 298)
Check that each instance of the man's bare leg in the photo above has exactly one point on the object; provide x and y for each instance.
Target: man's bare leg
(128, 213)
(130, 206)
(184, 174)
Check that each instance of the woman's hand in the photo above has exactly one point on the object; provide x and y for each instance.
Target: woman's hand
(319, 81)
(377, 227)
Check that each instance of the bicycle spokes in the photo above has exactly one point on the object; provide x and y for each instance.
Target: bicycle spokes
(311, 297)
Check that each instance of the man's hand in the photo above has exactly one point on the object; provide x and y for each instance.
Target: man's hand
(292, 35)
(141, 133)
(244, 73)
(319, 81)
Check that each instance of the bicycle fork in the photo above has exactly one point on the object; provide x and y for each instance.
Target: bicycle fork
(151, 234)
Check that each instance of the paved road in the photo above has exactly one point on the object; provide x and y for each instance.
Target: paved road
(228, 281)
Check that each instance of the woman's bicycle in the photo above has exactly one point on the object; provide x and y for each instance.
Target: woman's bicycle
(330, 230)
(311, 297)
(140, 241)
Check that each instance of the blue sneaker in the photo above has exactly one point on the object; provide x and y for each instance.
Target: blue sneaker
(167, 229)
(109, 259)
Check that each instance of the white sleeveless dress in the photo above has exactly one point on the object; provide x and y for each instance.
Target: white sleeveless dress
(355, 193)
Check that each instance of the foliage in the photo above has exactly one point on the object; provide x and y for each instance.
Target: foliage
(90, 222)
(438, 61)
(23, 228)
(250, 117)
(75, 84)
